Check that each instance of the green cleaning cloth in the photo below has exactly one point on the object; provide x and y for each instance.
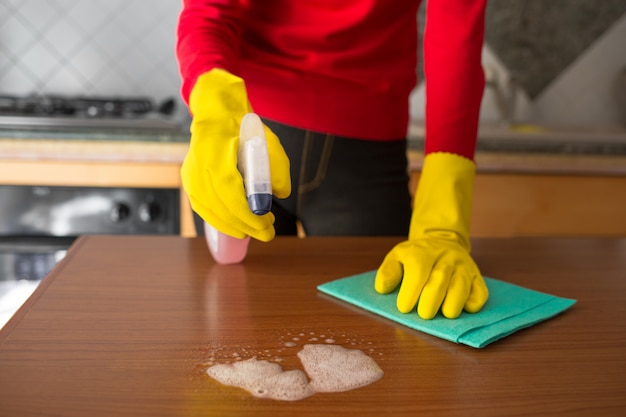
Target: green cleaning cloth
(509, 308)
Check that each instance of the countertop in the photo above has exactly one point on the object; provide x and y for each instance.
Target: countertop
(536, 149)
(521, 149)
(113, 145)
(173, 133)
(127, 326)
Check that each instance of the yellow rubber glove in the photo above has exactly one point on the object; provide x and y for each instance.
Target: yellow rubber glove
(218, 102)
(434, 267)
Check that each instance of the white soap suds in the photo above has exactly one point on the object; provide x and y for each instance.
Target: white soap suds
(263, 379)
(333, 368)
(330, 368)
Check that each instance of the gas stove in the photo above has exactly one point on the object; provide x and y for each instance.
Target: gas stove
(39, 112)
(39, 223)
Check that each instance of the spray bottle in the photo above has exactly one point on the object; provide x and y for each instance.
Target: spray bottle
(254, 166)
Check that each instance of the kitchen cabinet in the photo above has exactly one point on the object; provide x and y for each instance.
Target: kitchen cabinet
(87, 163)
(549, 205)
(546, 195)
(544, 181)
(516, 193)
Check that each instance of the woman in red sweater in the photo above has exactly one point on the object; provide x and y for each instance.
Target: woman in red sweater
(331, 80)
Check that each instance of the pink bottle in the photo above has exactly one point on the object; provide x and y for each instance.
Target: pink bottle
(253, 163)
(224, 248)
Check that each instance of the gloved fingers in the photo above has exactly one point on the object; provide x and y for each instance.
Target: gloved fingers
(264, 235)
(227, 211)
(479, 293)
(434, 292)
(229, 202)
(209, 217)
(233, 227)
(458, 292)
(279, 165)
(232, 214)
(389, 274)
(416, 272)
(235, 214)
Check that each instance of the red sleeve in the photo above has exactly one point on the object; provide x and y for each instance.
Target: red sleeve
(208, 36)
(453, 41)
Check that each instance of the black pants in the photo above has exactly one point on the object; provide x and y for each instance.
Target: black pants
(343, 186)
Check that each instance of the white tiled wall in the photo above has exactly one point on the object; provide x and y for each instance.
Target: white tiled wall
(126, 47)
(92, 47)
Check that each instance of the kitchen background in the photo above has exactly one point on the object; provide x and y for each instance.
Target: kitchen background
(552, 62)
(89, 47)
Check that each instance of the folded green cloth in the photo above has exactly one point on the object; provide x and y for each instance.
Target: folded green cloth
(509, 308)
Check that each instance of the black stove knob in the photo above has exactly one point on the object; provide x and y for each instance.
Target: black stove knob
(149, 212)
(119, 212)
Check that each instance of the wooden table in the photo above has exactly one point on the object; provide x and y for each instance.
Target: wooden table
(124, 326)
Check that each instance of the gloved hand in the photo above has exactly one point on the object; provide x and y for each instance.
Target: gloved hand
(434, 267)
(218, 102)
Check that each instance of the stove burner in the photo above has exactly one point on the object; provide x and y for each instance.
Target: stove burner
(85, 112)
(81, 106)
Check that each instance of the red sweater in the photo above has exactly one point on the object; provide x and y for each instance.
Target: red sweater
(344, 67)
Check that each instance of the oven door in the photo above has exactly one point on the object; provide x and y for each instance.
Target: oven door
(38, 224)
(24, 263)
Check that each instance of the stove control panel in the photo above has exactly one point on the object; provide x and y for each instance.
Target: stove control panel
(73, 211)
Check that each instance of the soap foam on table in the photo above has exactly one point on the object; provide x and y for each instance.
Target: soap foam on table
(263, 379)
(331, 368)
